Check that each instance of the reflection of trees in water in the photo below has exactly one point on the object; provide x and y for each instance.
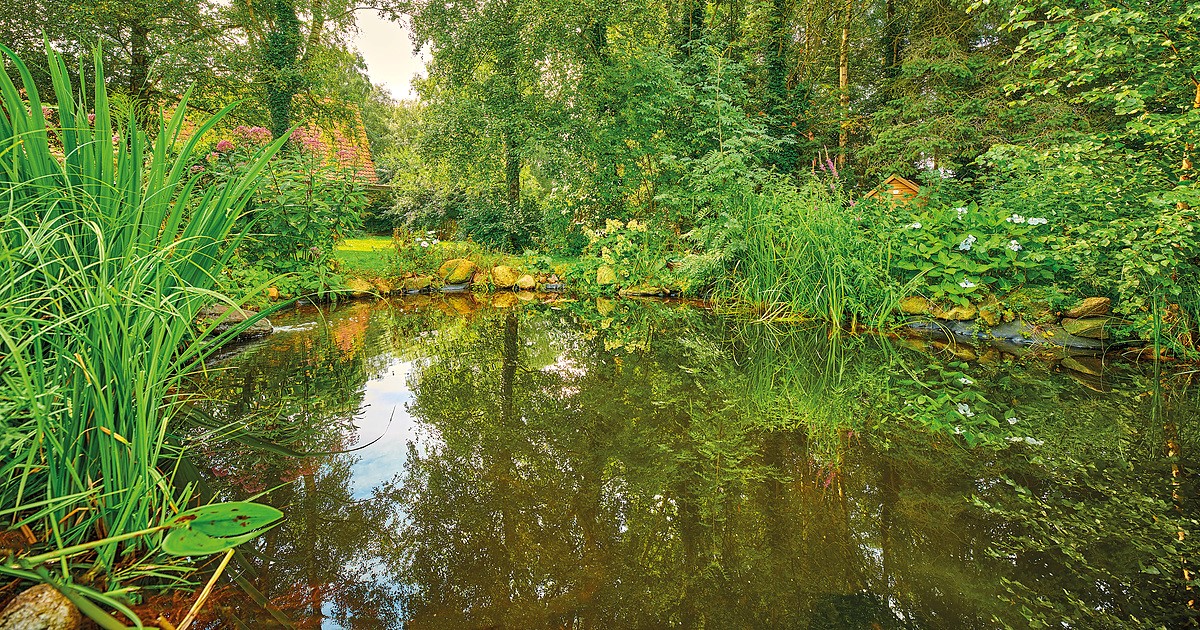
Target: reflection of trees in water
(642, 490)
(690, 472)
(302, 392)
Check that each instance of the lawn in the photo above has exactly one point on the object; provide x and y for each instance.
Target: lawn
(366, 255)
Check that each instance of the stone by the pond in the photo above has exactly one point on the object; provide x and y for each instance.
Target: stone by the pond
(553, 286)
(604, 306)
(359, 287)
(504, 277)
(916, 305)
(526, 283)
(40, 608)
(961, 313)
(645, 290)
(457, 271)
(230, 317)
(418, 284)
(991, 314)
(1092, 366)
(383, 286)
(606, 275)
(1091, 327)
(1090, 307)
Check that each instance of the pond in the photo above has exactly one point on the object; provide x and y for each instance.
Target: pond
(446, 463)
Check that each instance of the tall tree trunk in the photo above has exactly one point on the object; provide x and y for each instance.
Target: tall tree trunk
(139, 61)
(844, 85)
(892, 43)
(512, 171)
(280, 56)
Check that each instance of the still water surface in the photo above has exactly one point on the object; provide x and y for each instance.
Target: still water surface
(594, 464)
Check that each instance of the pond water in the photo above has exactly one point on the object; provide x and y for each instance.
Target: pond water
(630, 464)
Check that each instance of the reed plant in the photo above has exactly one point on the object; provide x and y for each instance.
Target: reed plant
(805, 255)
(108, 249)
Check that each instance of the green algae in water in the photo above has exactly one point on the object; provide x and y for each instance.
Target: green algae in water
(654, 465)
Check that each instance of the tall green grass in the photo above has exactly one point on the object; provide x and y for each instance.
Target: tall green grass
(805, 255)
(108, 248)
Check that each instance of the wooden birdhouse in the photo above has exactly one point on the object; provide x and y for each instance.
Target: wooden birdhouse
(895, 189)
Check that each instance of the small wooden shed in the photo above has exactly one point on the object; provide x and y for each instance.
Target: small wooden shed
(895, 189)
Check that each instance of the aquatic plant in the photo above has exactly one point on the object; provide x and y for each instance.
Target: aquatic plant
(108, 249)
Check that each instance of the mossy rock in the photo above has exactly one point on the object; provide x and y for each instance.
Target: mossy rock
(606, 275)
(1090, 327)
(1090, 307)
(419, 283)
(457, 271)
(526, 283)
(359, 287)
(504, 277)
(991, 314)
(383, 286)
(916, 305)
(604, 306)
(645, 290)
(961, 313)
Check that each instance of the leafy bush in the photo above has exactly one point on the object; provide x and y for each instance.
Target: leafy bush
(961, 251)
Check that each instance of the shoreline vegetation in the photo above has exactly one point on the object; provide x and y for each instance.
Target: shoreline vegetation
(712, 156)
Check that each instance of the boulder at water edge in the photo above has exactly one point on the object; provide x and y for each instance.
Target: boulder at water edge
(1090, 307)
(457, 271)
(1092, 327)
(359, 287)
(40, 608)
(526, 283)
(606, 275)
(505, 277)
(230, 317)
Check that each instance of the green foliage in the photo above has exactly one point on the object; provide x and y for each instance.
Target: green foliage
(961, 251)
(108, 250)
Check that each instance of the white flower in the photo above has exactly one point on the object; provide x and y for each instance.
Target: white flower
(965, 410)
(1015, 218)
(424, 244)
(958, 430)
(967, 242)
(960, 211)
(1014, 245)
(1015, 438)
(1032, 442)
(1038, 221)
(914, 226)
(1012, 420)
(966, 381)
(966, 284)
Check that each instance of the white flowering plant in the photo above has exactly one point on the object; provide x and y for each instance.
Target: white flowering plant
(961, 250)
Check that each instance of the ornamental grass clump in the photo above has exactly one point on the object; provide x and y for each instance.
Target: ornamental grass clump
(107, 251)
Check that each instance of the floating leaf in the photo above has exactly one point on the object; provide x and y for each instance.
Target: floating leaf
(214, 528)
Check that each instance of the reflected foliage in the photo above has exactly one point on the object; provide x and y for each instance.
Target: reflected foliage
(641, 464)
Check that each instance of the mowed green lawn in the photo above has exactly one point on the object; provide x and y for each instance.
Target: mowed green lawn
(368, 254)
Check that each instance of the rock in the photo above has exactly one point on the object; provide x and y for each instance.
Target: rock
(606, 275)
(457, 271)
(359, 287)
(916, 305)
(990, 314)
(230, 317)
(644, 290)
(456, 288)
(40, 608)
(504, 299)
(555, 287)
(273, 293)
(1091, 327)
(1092, 366)
(418, 284)
(504, 277)
(526, 283)
(604, 306)
(961, 313)
(1090, 307)
(383, 286)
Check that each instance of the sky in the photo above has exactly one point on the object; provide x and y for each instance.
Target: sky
(387, 48)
